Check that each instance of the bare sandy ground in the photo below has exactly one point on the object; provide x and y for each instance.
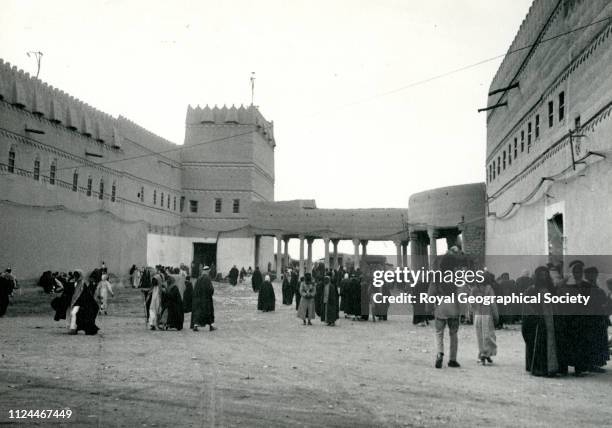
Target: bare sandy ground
(269, 370)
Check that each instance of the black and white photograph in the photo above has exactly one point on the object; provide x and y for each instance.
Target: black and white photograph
(305, 213)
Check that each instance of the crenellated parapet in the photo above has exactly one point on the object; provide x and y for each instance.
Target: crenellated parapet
(231, 116)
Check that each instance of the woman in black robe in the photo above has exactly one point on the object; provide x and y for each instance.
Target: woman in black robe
(256, 279)
(538, 328)
(88, 309)
(419, 314)
(287, 290)
(233, 275)
(202, 308)
(266, 300)
(174, 306)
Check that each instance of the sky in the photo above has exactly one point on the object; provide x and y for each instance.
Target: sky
(336, 77)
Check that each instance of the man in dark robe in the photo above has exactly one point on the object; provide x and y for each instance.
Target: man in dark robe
(286, 289)
(329, 302)
(202, 307)
(7, 285)
(598, 311)
(538, 328)
(295, 288)
(266, 300)
(573, 332)
(344, 285)
(233, 275)
(256, 279)
(83, 308)
(172, 305)
(187, 295)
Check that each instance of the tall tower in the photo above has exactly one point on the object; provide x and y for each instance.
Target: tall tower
(228, 162)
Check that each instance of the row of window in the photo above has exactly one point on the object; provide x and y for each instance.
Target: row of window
(164, 199)
(524, 139)
(193, 206)
(53, 177)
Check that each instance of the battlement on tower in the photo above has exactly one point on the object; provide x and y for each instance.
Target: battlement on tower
(230, 116)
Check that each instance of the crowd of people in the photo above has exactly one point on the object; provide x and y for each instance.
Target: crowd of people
(556, 336)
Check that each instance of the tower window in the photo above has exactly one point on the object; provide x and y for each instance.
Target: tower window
(113, 191)
(89, 186)
(154, 197)
(504, 160)
(236, 206)
(141, 194)
(509, 154)
(11, 160)
(551, 114)
(515, 147)
(36, 172)
(75, 181)
(561, 106)
(493, 170)
(498, 165)
(218, 205)
(522, 141)
(537, 126)
(577, 122)
(101, 195)
(162, 199)
(193, 206)
(168, 202)
(528, 136)
(52, 170)
(174, 204)
(182, 204)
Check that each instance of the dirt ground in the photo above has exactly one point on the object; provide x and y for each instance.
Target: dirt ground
(267, 369)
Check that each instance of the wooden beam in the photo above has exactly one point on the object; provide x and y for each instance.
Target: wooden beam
(507, 88)
(494, 106)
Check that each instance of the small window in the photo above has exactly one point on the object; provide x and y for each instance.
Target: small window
(113, 191)
(493, 170)
(162, 199)
(236, 206)
(75, 181)
(174, 204)
(537, 126)
(36, 172)
(515, 147)
(168, 202)
(551, 114)
(89, 186)
(490, 173)
(509, 154)
(11, 160)
(101, 195)
(182, 204)
(193, 206)
(218, 205)
(528, 136)
(561, 106)
(577, 122)
(498, 165)
(522, 141)
(504, 160)
(52, 170)
(141, 196)
(154, 197)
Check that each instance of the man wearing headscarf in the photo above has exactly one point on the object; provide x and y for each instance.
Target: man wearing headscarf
(286, 289)
(256, 279)
(345, 283)
(202, 306)
(153, 301)
(103, 289)
(329, 310)
(307, 305)
(295, 288)
(266, 300)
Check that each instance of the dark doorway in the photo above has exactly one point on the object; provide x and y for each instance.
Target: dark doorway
(204, 254)
(555, 238)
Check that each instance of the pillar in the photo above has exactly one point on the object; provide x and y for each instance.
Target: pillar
(309, 263)
(356, 261)
(279, 250)
(301, 274)
(257, 241)
(433, 248)
(286, 254)
(326, 242)
(335, 263)
(398, 251)
(364, 249)
(415, 263)
(405, 254)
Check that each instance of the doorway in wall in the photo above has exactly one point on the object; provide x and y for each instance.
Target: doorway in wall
(204, 254)
(555, 238)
